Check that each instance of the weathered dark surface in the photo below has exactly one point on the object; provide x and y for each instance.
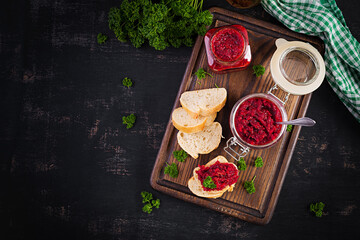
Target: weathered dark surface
(71, 170)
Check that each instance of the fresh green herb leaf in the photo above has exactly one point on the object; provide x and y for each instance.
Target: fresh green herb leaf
(259, 162)
(172, 170)
(198, 82)
(317, 208)
(147, 197)
(101, 38)
(216, 86)
(156, 203)
(289, 128)
(150, 202)
(147, 208)
(180, 155)
(209, 183)
(258, 70)
(241, 164)
(200, 73)
(249, 186)
(127, 82)
(129, 120)
(161, 23)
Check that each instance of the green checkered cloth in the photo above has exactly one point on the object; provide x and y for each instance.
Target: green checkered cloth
(324, 19)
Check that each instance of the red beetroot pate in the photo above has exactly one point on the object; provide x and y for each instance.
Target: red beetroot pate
(222, 174)
(255, 121)
(227, 48)
(227, 44)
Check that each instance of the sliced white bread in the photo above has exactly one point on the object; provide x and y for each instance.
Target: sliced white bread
(185, 123)
(201, 142)
(203, 102)
(195, 185)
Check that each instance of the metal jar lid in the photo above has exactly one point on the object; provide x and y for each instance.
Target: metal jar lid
(310, 67)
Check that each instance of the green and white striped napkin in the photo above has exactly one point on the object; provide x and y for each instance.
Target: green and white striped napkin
(324, 19)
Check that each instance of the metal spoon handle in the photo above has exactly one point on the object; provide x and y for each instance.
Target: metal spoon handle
(305, 121)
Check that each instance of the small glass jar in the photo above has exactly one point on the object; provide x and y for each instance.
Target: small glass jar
(227, 47)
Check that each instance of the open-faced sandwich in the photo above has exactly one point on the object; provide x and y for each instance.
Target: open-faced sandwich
(214, 178)
(198, 133)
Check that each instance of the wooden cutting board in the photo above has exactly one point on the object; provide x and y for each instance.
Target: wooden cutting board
(257, 207)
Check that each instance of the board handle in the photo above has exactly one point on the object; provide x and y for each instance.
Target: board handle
(232, 152)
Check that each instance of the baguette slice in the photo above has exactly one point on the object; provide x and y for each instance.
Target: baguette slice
(203, 102)
(195, 187)
(201, 142)
(185, 123)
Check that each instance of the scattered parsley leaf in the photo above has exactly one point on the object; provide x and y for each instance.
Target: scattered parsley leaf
(258, 70)
(156, 203)
(147, 197)
(172, 170)
(200, 73)
(198, 82)
(249, 186)
(216, 86)
(289, 128)
(127, 82)
(209, 183)
(129, 120)
(259, 162)
(317, 208)
(150, 202)
(241, 164)
(180, 155)
(147, 208)
(101, 38)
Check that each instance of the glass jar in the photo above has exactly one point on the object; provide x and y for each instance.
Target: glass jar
(306, 78)
(227, 47)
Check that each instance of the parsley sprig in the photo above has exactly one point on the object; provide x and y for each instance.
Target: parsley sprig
(259, 162)
(129, 120)
(161, 23)
(127, 82)
(259, 70)
(180, 155)
(317, 208)
(101, 38)
(172, 170)
(209, 183)
(289, 128)
(249, 186)
(241, 164)
(150, 202)
(201, 73)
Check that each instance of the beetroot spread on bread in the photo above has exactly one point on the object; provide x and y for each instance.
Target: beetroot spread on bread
(222, 174)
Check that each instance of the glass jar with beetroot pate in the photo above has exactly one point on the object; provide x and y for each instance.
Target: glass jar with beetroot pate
(227, 48)
(253, 118)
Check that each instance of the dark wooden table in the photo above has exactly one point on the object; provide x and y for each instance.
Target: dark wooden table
(71, 170)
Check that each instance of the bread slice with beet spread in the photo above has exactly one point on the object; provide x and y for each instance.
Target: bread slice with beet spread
(202, 142)
(185, 123)
(203, 102)
(195, 184)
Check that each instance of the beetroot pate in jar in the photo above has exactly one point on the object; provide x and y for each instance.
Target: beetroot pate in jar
(253, 120)
(222, 174)
(227, 48)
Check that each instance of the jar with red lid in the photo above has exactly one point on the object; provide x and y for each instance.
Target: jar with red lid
(227, 48)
